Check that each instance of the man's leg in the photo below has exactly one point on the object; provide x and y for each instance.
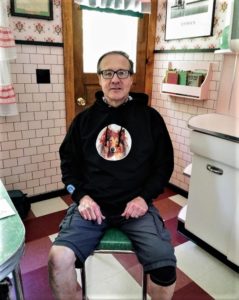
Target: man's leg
(157, 257)
(162, 292)
(62, 273)
(163, 282)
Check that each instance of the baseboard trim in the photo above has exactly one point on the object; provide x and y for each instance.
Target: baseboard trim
(47, 195)
(215, 253)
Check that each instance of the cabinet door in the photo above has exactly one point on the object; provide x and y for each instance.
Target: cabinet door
(210, 211)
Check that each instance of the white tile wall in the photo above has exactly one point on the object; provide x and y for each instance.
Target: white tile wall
(177, 111)
(30, 142)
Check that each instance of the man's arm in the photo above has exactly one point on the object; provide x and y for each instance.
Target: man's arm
(162, 168)
(162, 162)
(72, 163)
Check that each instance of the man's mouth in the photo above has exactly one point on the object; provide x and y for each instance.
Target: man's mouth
(115, 88)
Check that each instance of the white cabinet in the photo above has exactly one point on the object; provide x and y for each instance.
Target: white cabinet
(213, 202)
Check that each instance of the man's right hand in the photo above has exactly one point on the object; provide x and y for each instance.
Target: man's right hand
(90, 210)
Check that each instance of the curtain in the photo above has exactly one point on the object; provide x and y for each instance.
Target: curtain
(136, 6)
(8, 106)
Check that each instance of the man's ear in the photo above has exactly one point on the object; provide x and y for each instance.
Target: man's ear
(99, 79)
(132, 78)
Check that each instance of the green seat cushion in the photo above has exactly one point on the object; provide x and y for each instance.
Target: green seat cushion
(114, 239)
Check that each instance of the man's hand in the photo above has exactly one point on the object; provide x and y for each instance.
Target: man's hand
(90, 210)
(135, 208)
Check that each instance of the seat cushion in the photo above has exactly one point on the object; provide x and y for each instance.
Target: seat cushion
(115, 239)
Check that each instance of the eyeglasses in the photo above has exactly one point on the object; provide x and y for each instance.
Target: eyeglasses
(109, 74)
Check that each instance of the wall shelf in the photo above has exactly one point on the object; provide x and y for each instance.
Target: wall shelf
(226, 52)
(190, 92)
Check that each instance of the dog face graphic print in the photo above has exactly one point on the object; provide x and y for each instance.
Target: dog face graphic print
(113, 142)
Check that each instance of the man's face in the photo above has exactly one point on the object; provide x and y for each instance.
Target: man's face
(115, 90)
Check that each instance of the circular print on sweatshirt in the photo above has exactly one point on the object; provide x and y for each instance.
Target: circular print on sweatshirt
(113, 142)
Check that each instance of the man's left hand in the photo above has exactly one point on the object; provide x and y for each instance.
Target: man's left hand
(135, 208)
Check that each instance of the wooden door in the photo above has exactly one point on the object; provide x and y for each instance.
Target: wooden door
(80, 87)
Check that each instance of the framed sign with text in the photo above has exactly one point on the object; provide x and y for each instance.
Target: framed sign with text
(189, 19)
(38, 9)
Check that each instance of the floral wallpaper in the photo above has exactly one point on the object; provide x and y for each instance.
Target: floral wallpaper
(51, 31)
(37, 30)
(210, 42)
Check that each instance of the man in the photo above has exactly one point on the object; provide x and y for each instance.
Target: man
(116, 158)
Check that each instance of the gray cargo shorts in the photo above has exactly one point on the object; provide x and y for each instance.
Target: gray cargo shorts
(150, 239)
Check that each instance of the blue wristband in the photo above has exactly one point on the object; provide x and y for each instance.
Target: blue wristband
(70, 188)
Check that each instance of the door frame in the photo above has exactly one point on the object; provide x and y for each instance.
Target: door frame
(68, 51)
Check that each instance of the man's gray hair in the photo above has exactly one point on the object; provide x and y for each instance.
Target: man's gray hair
(122, 53)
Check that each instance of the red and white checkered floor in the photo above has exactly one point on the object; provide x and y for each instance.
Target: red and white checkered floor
(114, 277)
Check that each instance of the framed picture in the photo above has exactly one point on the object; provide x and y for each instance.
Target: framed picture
(38, 9)
(189, 18)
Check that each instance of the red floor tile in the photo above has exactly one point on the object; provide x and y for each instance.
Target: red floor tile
(167, 193)
(35, 255)
(30, 215)
(177, 237)
(34, 261)
(191, 292)
(127, 260)
(137, 273)
(182, 280)
(35, 285)
(43, 226)
(67, 199)
(167, 208)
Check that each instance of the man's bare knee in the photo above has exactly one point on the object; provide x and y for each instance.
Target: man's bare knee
(60, 257)
(62, 273)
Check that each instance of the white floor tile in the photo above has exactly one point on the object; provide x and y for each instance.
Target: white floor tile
(49, 206)
(180, 200)
(209, 273)
(78, 274)
(52, 237)
(107, 279)
(221, 283)
(193, 260)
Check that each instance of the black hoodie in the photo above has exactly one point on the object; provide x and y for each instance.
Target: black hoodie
(116, 154)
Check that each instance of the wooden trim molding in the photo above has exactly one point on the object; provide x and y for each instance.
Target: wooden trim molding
(151, 35)
(67, 19)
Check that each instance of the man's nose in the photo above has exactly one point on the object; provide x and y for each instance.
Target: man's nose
(115, 77)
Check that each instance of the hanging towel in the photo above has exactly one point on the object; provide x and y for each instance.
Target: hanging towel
(8, 106)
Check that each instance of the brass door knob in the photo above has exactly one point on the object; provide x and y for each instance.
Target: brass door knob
(81, 101)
